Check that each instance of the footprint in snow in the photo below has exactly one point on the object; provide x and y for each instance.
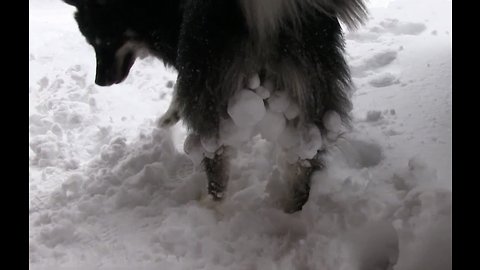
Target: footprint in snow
(170, 84)
(396, 27)
(392, 26)
(380, 59)
(376, 61)
(43, 83)
(384, 80)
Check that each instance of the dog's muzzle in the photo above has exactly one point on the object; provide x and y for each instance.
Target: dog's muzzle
(113, 69)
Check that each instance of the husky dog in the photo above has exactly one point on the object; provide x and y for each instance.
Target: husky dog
(215, 44)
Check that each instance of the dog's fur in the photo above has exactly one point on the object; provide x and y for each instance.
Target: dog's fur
(215, 45)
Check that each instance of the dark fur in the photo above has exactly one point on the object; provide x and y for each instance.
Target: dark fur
(216, 44)
(153, 25)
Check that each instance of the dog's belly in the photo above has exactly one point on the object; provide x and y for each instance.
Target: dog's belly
(261, 109)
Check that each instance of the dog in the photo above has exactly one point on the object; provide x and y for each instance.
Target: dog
(216, 45)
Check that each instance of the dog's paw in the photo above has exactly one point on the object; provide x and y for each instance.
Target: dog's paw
(215, 191)
(208, 201)
(169, 119)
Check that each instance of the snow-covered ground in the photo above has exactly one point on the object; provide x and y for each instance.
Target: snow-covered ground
(109, 190)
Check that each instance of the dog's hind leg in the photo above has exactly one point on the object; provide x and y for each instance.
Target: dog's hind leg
(217, 169)
(298, 176)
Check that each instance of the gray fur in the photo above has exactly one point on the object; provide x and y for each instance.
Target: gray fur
(265, 17)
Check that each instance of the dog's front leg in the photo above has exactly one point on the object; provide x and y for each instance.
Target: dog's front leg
(217, 169)
(172, 115)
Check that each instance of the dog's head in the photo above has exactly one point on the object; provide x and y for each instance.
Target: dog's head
(105, 27)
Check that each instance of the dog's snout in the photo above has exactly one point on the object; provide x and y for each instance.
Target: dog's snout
(101, 78)
(113, 68)
(100, 81)
(104, 64)
(103, 75)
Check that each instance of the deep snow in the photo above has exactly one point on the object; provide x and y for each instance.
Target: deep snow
(110, 190)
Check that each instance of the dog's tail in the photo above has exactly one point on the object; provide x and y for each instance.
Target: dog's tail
(264, 16)
(351, 12)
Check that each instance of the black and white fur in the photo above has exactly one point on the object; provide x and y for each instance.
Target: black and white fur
(215, 45)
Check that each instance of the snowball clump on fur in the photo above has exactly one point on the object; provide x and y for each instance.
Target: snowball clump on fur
(246, 108)
(259, 109)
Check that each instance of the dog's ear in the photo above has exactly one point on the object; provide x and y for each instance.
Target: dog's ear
(72, 2)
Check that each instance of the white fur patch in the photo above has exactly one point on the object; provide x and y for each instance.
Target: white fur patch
(130, 46)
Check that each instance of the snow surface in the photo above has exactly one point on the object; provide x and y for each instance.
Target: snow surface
(109, 190)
